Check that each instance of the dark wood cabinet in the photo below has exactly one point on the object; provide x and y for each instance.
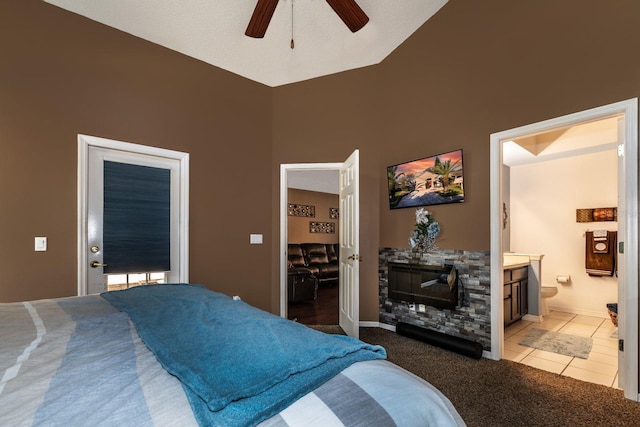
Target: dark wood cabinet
(515, 294)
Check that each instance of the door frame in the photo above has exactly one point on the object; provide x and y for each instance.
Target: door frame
(87, 141)
(284, 235)
(628, 109)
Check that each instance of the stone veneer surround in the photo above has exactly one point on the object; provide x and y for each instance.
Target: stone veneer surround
(470, 320)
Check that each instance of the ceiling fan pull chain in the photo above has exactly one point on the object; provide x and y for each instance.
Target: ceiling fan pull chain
(292, 44)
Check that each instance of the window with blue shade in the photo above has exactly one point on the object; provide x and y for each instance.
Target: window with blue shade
(137, 218)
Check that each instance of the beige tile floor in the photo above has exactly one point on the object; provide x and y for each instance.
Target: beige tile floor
(601, 367)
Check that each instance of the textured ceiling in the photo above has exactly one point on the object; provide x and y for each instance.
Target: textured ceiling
(213, 31)
(324, 181)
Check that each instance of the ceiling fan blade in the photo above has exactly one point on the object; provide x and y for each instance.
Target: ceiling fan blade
(350, 13)
(261, 17)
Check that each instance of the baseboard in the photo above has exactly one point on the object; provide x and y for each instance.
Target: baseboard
(572, 310)
(369, 324)
(532, 318)
(377, 325)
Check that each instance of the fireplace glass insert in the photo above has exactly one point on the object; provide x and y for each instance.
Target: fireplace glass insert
(436, 286)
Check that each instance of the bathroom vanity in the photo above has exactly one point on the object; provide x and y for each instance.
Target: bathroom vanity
(516, 301)
(526, 300)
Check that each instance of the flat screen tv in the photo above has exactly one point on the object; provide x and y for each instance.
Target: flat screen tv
(432, 180)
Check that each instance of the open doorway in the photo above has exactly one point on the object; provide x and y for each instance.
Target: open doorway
(558, 172)
(349, 238)
(313, 233)
(626, 145)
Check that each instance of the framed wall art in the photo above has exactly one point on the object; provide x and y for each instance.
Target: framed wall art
(307, 211)
(322, 227)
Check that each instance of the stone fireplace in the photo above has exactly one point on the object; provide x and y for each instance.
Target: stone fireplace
(470, 319)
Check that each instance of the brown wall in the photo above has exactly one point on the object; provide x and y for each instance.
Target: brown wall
(473, 69)
(61, 75)
(338, 116)
(298, 227)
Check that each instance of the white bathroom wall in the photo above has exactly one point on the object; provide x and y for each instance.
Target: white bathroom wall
(544, 197)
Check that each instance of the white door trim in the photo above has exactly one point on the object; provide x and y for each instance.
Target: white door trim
(629, 110)
(284, 210)
(84, 142)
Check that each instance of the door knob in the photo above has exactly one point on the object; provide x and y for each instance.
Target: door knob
(96, 264)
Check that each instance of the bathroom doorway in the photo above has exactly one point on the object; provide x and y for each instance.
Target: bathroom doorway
(558, 172)
(626, 114)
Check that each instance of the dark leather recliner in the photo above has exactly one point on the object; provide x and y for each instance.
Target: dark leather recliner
(296, 257)
(320, 258)
(302, 284)
(317, 258)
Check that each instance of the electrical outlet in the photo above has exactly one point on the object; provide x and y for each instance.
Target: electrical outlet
(412, 307)
(422, 308)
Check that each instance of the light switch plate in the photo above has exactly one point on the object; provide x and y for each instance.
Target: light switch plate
(255, 239)
(40, 244)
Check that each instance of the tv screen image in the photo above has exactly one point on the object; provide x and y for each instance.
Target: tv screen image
(432, 180)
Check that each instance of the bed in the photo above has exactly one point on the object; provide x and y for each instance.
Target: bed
(181, 355)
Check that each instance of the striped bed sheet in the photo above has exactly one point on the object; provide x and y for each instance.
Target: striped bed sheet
(79, 361)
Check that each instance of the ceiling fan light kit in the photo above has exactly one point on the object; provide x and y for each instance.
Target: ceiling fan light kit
(348, 10)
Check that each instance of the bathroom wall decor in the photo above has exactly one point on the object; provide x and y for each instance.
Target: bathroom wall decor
(596, 214)
(600, 252)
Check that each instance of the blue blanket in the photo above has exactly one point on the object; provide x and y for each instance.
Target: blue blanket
(239, 365)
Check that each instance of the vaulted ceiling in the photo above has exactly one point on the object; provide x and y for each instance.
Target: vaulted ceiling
(213, 31)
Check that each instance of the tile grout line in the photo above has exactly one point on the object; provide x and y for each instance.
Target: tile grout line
(590, 336)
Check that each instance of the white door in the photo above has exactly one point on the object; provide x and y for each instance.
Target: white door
(350, 246)
(94, 154)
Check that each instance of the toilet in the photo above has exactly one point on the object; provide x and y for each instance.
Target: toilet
(546, 292)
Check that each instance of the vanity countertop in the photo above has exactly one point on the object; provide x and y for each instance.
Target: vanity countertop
(513, 260)
(514, 264)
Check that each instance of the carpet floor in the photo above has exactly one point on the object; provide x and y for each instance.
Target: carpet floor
(504, 393)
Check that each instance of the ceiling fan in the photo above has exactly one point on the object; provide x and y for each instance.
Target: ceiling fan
(348, 10)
